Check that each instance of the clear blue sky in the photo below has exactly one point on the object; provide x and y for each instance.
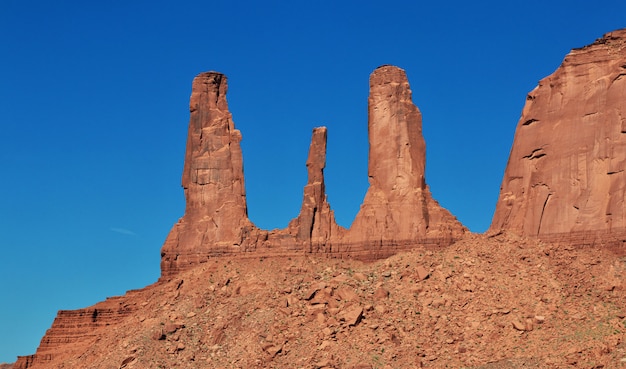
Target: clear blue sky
(94, 112)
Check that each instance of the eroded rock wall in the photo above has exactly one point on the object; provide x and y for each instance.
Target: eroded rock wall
(565, 175)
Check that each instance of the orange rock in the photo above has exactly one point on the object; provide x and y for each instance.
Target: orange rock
(273, 350)
(565, 178)
(346, 294)
(352, 316)
(519, 325)
(398, 211)
(315, 224)
(212, 178)
(398, 206)
(421, 273)
(73, 330)
(381, 293)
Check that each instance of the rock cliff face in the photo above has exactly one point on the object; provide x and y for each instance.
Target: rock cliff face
(565, 177)
(398, 210)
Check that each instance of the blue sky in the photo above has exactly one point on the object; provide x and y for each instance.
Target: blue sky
(94, 112)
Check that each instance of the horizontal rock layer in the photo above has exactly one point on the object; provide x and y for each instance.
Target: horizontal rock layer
(72, 331)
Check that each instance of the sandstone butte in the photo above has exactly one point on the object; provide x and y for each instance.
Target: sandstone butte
(398, 211)
(565, 178)
(564, 182)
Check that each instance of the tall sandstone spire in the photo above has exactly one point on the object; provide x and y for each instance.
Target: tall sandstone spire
(216, 219)
(565, 178)
(398, 206)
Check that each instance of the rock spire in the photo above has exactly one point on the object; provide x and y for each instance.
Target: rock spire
(216, 219)
(398, 206)
(315, 225)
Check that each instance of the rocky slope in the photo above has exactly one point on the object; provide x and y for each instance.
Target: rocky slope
(499, 302)
(565, 177)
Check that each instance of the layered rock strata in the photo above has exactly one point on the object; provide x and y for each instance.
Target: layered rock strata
(398, 211)
(565, 177)
(72, 331)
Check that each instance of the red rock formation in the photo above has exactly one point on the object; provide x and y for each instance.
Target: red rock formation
(315, 225)
(74, 330)
(398, 211)
(398, 206)
(565, 176)
(216, 219)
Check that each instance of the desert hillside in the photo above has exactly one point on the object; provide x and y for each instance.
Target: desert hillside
(499, 302)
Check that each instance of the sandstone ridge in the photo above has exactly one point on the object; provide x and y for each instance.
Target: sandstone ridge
(398, 211)
(565, 178)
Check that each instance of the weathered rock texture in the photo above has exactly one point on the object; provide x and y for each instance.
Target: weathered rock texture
(398, 211)
(315, 224)
(73, 331)
(398, 206)
(216, 218)
(565, 177)
(484, 302)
